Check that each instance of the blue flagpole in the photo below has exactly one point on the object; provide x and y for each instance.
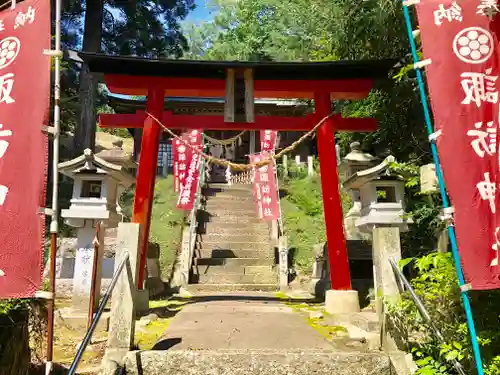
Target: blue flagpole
(446, 204)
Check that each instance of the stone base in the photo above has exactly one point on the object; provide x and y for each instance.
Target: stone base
(79, 320)
(341, 301)
(142, 302)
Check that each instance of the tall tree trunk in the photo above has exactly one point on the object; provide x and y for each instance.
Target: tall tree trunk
(85, 131)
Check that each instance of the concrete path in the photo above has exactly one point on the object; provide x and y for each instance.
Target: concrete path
(239, 321)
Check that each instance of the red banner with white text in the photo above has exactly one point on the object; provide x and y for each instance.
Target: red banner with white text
(460, 43)
(179, 155)
(189, 162)
(265, 189)
(267, 140)
(24, 103)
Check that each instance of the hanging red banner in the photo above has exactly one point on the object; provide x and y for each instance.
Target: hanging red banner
(460, 43)
(180, 156)
(267, 140)
(189, 168)
(265, 189)
(24, 103)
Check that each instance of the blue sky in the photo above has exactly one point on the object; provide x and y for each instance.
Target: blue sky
(201, 13)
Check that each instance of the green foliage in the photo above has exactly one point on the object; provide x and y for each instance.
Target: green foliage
(302, 209)
(436, 284)
(166, 221)
(10, 306)
(423, 209)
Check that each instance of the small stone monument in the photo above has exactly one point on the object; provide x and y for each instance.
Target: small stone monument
(96, 189)
(382, 213)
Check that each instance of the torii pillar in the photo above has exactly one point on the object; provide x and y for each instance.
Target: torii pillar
(337, 249)
(146, 173)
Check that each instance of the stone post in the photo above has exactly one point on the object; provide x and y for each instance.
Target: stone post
(164, 170)
(297, 160)
(84, 261)
(386, 245)
(283, 262)
(310, 166)
(124, 297)
(285, 165)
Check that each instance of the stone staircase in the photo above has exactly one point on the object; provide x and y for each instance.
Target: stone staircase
(234, 251)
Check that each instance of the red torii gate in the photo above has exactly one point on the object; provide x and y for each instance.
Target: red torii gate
(240, 83)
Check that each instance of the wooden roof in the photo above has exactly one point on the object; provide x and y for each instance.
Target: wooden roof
(191, 78)
(331, 70)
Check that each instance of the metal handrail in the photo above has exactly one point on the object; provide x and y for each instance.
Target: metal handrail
(422, 310)
(97, 316)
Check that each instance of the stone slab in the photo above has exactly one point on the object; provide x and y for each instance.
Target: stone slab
(256, 362)
(241, 321)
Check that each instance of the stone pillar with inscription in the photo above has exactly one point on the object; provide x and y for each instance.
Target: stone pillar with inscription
(97, 183)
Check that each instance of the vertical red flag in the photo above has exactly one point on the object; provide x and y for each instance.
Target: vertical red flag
(267, 140)
(265, 189)
(460, 43)
(24, 102)
(189, 169)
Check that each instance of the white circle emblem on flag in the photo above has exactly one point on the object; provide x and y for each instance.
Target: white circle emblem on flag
(473, 45)
(9, 49)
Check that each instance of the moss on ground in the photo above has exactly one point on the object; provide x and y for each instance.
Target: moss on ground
(166, 309)
(149, 336)
(329, 332)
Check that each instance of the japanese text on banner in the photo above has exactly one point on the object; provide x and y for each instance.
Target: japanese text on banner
(459, 40)
(24, 101)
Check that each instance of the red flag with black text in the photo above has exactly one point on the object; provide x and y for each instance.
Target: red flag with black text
(24, 103)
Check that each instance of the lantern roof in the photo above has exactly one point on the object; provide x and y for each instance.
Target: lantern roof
(378, 172)
(89, 163)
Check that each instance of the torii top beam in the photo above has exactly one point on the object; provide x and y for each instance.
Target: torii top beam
(187, 78)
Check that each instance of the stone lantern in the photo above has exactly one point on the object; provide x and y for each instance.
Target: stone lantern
(96, 189)
(381, 196)
(383, 214)
(354, 162)
(118, 156)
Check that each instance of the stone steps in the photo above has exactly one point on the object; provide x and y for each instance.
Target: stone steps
(239, 211)
(235, 237)
(226, 205)
(205, 288)
(224, 195)
(230, 262)
(234, 253)
(224, 246)
(257, 362)
(234, 269)
(232, 188)
(259, 226)
(236, 278)
(236, 220)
